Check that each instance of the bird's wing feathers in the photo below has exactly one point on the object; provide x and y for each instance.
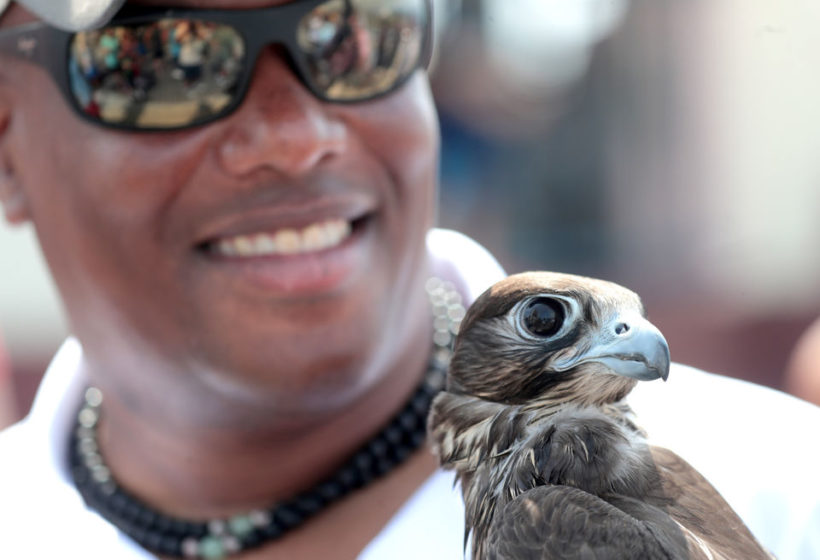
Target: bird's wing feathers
(564, 522)
(696, 505)
(683, 517)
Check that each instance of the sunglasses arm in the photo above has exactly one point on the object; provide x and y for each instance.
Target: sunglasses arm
(32, 43)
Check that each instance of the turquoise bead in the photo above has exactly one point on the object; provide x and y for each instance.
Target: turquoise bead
(211, 548)
(240, 525)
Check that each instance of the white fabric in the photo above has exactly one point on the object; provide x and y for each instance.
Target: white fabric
(71, 15)
(758, 446)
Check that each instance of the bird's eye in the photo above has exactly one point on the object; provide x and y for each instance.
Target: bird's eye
(543, 317)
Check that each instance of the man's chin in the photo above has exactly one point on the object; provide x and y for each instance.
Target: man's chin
(292, 396)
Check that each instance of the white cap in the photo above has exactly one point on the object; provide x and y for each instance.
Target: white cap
(71, 15)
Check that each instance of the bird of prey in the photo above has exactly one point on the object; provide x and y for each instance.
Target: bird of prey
(549, 458)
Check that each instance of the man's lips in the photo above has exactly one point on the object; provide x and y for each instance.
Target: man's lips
(306, 241)
(313, 259)
(318, 236)
(298, 223)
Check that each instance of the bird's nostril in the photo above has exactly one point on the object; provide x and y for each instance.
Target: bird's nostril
(621, 328)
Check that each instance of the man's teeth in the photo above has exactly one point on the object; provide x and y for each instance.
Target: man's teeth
(315, 237)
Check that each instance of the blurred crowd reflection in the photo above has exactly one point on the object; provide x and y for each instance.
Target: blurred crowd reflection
(155, 74)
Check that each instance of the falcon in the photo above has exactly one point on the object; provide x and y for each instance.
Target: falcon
(535, 425)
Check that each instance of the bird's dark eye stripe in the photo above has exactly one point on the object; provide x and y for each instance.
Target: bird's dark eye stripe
(543, 316)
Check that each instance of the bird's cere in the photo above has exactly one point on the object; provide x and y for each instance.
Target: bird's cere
(627, 344)
(288, 241)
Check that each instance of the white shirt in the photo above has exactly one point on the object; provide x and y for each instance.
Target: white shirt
(759, 447)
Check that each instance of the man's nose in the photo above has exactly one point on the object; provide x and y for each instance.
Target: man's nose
(280, 125)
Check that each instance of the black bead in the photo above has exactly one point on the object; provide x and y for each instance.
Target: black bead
(131, 511)
(80, 475)
(254, 538)
(418, 438)
(393, 435)
(271, 531)
(378, 448)
(147, 518)
(96, 489)
(364, 461)
(308, 505)
(179, 527)
(350, 478)
(287, 517)
(138, 535)
(165, 525)
(117, 502)
(368, 477)
(420, 403)
(330, 490)
(170, 546)
(383, 466)
(408, 421)
(403, 453)
(195, 529)
(153, 541)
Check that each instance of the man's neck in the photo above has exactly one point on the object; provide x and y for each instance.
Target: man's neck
(199, 472)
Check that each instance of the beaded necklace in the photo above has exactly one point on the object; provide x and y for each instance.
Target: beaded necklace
(220, 538)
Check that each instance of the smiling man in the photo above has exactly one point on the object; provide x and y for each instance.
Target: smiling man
(249, 294)
(235, 201)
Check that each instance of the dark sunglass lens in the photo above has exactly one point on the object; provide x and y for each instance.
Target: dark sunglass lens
(160, 75)
(358, 49)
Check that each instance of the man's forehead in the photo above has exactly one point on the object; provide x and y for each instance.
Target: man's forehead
(12, 13)
(15, 15)
(218, 4)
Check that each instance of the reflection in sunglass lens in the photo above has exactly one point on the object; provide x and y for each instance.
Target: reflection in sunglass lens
(164, 74)
(358, 49)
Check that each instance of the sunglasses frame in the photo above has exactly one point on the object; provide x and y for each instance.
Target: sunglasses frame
(49, 48)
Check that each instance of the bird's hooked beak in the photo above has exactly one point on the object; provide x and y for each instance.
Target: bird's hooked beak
(628, 345)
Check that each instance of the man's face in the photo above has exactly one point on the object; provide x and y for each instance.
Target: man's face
(147, 233)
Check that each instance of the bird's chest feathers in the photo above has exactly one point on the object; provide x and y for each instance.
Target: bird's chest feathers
(582, 447)
(576, 446)
(501, 451)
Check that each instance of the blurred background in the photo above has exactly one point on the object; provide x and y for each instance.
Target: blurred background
(669, 146)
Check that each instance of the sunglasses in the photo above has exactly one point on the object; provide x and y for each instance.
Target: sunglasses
(167, 69)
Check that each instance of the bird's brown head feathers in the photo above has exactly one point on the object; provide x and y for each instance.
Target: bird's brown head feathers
(541, 336)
